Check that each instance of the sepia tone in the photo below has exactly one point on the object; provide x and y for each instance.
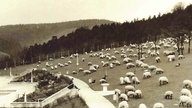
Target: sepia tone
(95, 54)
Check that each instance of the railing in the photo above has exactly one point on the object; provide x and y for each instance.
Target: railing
(45, 102)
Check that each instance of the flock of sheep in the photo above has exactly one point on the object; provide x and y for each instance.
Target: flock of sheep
(130, 79)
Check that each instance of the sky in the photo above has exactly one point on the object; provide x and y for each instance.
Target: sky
(50, 11)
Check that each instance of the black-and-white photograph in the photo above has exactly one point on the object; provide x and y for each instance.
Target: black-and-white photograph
(95, 54)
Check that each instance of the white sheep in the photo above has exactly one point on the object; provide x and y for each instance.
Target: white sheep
(44, 69)
(50, 59)
(127, 60)
(34, 69)
(86, 72)
(116, 95)
(130, 50)
(186, 92)
(131, 94)
(130, 65)
(152, 67)
(89, 63)
(127, 80)
(142, 105)
(145, 47)
(52, 68)
(142, 59)
(144, 66)
(181, 57)
(187, 84)
(66, 64)
(117, 63)
(135, 55)
(185, 101)
(111, 65)
(102, 56)
(135, 80)
(158, 59)
(96, 66)
(168, 95)
(90, 55)
(102, 81)
(80, 69)
(138, 63)
(67, 72)
(105, 64)
(163, 80)
(71, 57)
(109, 58)
(74, 72)
(90, 80)
(92, 69)
(47, 64)
(113, 57)
(129, 88)
(69, 62)
(55, 67)
(158, 105)
(138, 94)
(159, 71)
(189, 102)
(62, 57)
(123, 97)
(123, 104)
(83, 59)
(146, 75)
(171, 57)
(175, 47)
(130, 55)
(177, 65)
(60, 64)
(130, 74)
(167, 53)
(117, 91)
(132, 45)
(116, 52)
(123, 56)
(121, 80)
(152, 54)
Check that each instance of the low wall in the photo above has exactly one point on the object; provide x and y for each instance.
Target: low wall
(26, 104)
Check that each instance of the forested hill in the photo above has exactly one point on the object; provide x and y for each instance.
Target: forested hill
(9, 47)
(175, 24)
(29, 34)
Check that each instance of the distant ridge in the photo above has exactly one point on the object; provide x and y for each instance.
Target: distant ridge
(13, 38)
(29, 34)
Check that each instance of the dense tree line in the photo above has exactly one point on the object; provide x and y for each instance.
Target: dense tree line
(175, 24)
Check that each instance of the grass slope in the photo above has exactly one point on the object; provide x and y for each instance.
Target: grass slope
(152, 92)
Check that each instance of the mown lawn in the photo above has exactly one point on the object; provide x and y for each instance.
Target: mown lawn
(151, 90)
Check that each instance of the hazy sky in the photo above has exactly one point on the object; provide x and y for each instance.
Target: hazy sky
(48, 11)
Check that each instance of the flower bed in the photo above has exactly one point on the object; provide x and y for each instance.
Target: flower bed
(48, 84)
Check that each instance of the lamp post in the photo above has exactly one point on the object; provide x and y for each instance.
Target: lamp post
(10, 72)
(31, 76)
(77, 59)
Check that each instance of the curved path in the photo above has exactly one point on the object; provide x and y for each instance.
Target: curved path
(92, 99)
